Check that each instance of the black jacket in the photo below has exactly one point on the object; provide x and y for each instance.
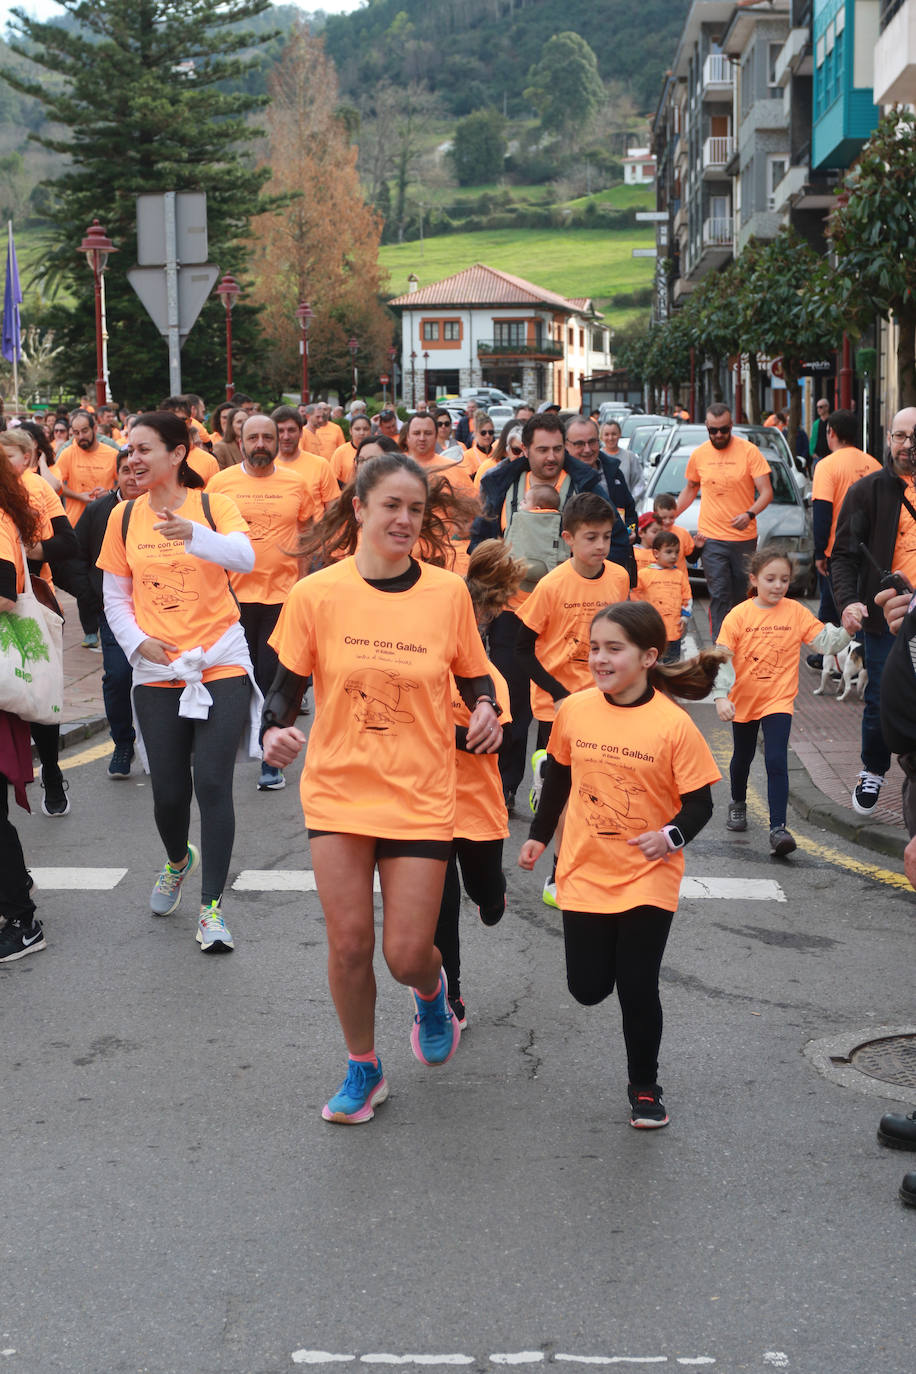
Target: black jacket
(90, 532)
(869, 515)
(619, 493)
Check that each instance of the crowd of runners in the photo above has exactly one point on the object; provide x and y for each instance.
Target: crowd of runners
(428, 591)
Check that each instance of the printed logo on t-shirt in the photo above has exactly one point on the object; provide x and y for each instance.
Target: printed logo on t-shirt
(578, 639)
(376, 696)
(260, 525)
(168, 586)
(765, 664)
(608, 798)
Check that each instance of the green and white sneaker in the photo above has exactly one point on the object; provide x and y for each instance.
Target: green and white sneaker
(538, 764)
(213, 934)
(166, 894)
(549, 894)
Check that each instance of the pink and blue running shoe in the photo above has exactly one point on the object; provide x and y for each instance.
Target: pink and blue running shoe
(364, 1087)
(435, 1032)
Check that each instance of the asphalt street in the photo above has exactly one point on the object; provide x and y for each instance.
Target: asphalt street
(174, 1201)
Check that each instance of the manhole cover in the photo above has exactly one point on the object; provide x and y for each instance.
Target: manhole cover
(892, 1060)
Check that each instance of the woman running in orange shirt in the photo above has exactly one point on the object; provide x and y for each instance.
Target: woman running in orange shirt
(636, 773)
(380, 633)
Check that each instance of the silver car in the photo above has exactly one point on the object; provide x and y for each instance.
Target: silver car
(784, 524)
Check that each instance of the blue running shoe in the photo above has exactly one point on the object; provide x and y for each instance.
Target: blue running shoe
(435, 1032)
(364, 1087)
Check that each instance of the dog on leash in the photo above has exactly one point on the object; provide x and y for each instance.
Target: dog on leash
(850, 665)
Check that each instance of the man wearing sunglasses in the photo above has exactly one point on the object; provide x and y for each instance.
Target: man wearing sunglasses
(482, 447)
(735, 481)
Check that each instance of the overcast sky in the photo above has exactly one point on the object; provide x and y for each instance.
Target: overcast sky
(47, 9)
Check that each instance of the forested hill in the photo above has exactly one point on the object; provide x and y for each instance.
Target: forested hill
(473, 52)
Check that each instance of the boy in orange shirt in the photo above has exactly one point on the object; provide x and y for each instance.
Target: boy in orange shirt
(664, 507)
(667, 588)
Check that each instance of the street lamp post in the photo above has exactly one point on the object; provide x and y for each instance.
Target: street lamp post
(392, 357)
(97, 245)
(353, 346)
(426, 377)
(229, 290)
(304, 315)
(413, 379)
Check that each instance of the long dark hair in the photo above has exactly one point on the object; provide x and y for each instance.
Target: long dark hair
(14, 500)
(38, 434)
(642, 625)
(173, 431)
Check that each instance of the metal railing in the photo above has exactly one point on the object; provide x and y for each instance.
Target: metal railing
(888, 9)
(717, 70)
(548, 348)
(718, 232)
(717, 151)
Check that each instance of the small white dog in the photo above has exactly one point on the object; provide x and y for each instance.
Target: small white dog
(850, 664)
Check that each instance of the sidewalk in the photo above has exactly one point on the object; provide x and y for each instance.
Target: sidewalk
(83, 713)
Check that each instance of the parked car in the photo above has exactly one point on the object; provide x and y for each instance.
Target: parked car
(484, 395)
(616, 410)
(770, 440)
(499, 414)
(634, 422)
(784, 524)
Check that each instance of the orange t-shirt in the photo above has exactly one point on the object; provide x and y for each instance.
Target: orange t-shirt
(642, 555)
(560, 610)
(273, 508)
(330, 437)
(308, 441)
(458, 478)
(726, 481)
(473, 457)
(178, 598)
(83, 470)
(764, 641)
(834, 475)
(204, 464)
(45, 500)
(630, 767)
(381, 753)
(905, 545)
(483, 468)
(668, 590)
(319, 478)
(343, 463)
(685, 539)
(11, 548)
(481, 807)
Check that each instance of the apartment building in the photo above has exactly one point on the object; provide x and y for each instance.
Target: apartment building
(895, 54)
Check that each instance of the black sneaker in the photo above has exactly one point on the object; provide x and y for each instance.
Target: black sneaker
(815, 662)
(55, 801)
(458, 1011)
(898, 1132)
(509, 798)
(737, 816)
(866, 792)
(121, 759)
(647, 1110)
(782, 841)
(492, 915)
(908, 1190)
(17, 940)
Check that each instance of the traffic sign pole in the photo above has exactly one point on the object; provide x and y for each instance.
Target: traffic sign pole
(171, 287)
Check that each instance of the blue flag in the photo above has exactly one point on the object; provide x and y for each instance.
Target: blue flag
(12, 299)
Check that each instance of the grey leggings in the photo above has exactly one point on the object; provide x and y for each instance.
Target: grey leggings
(170, 742)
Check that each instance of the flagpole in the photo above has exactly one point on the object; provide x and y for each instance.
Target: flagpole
(9, 249)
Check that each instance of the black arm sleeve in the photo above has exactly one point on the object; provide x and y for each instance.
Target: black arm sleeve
(526, 656)
(282, 702)
(473, 687)
(554, 796)
(8, 580)
(62, 543)
(696, 809)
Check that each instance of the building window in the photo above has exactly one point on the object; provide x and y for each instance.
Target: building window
(571, 335)
(582, 340)
(776, 170)
(451, 329)
(775, 91)
(571, 382)
(509, 333)
(430, 331)
(598, 341)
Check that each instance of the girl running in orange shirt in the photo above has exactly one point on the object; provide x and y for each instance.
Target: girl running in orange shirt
(380, 632)
(759, 684)
(636, 773)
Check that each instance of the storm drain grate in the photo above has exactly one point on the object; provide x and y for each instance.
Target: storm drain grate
(892, 1060)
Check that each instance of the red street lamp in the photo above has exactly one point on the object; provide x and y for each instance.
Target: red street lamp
(97, 245)
(229, 290)
(392, 355)
(426, 377)
(353, 346)
(305, 314)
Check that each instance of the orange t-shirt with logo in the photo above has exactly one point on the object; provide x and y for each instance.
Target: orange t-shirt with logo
(834, 475)
(630, 767)
(319, 478)
(481, 807)
(273, 507)
(643, 555)
(764, 641)
(178, 598)
(204, 464)
(83, 470)
(45, 500)
(668, 590)
(343, 463)
(560, 610)
(726, 481)
(11, 548)
(381, 752)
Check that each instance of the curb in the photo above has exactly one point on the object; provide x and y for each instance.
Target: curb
(813, 806)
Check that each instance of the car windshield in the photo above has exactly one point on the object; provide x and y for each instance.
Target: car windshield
(770, 441)
(637, 421)
(671, 478)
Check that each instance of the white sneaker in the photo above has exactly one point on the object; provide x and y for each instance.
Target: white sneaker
(212, 933)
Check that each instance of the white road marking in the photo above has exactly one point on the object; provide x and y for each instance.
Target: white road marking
(281, 880)
(519, 1357)
(416, 1359)
(77, 879)
(777, 1358)
(319, 1357)
(732, 889)
(615, 1359)
(696, 1359)
(516, 1357)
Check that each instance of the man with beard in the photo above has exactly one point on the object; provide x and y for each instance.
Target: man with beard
(277, 505)
(87, 468)
(736, 486)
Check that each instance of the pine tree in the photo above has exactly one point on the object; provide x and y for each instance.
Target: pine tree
(143, 92)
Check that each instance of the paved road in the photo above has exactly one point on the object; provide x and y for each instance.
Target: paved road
(174, 1202)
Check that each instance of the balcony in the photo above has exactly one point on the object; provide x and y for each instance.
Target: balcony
(717, 233)
(795, 58)
(718, 79)
(716, 154)
(547, 349)
(895, 55)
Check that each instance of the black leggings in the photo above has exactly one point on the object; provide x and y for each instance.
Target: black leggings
(484, 882)
(775, 755)
(625, 948)
(15, 902)
(47, 742)
(170, 742)
(259, 623)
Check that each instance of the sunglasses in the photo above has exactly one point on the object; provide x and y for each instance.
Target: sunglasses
(486, 431)
(443, 424)
(718, 429)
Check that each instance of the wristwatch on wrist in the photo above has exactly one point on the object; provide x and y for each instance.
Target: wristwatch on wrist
(490, 702)
(750, 514)
(674, 836)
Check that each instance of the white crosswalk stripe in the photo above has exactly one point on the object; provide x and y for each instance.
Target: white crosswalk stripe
(77, 879)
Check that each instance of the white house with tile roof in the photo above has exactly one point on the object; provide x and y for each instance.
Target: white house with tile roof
(483, 327)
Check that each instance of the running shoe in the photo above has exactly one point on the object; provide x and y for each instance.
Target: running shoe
(91, 641)
(737, 816)
(435, 1033)
(166, 894)
(866, 792)
(647, 1110)
(549, 895)
(121, 759)
(212, 932)
(364, 1087)
(55, 801)
(782, 841)
(459, 1011)
(492, 915)
(271, 779)
(538, 764)
(17, 940)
